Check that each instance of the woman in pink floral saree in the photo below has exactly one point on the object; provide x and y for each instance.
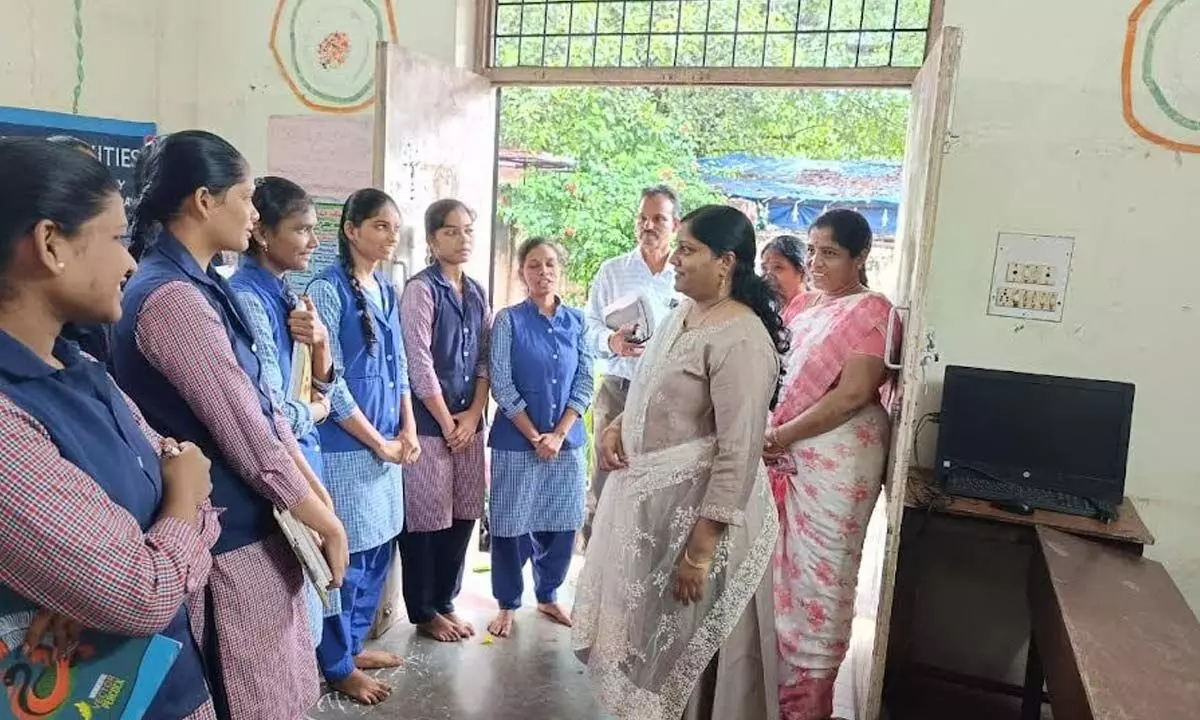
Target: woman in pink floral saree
(826, 447)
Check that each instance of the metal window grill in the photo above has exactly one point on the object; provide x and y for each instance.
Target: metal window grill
(709, 33)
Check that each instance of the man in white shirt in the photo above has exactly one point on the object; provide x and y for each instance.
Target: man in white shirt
(642, 271)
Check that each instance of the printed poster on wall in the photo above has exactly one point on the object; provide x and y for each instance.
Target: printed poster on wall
(329, 215)
(117, 143)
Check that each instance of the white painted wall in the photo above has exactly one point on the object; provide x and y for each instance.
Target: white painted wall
(1040, 147)
(183, 64)
(38, 63)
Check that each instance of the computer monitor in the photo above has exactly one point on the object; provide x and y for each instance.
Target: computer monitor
(1064, 434)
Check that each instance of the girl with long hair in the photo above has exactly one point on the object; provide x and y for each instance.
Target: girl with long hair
(447, 323)
(283, 241)
(185, 353)
(372, 432)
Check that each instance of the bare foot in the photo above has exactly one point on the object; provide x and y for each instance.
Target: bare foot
(362, 688)
(376, 660)
(465, 628)
(502, 625)
(440, 629)
(555, 613)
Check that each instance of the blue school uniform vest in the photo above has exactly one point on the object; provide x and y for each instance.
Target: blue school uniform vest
(457, 327)
(89, 422)
(545, 355)
(248, 516)
(279, 301)
(372, 374)
(91, 339)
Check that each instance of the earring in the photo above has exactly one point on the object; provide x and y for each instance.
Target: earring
(62, 266)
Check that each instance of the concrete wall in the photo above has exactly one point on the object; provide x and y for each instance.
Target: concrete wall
(1039, 146)
(183, 64)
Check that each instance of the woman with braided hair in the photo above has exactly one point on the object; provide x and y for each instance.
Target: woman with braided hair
(447, 325)
(283, 241)
(372, 434)
(184, 351)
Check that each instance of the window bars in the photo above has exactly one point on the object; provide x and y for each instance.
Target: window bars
(748, 34)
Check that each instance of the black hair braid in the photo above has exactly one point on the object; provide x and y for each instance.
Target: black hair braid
(752, 291)
(360, 295)
(360, 206)
(145, 207)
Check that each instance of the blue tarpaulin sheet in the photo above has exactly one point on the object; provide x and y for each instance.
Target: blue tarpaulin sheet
(794, 191)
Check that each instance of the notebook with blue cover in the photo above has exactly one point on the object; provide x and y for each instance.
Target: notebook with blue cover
(108, 677)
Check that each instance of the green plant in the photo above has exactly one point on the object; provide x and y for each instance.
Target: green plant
(620, 143)
(625, 139)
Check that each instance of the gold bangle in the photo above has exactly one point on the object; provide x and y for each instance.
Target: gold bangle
(687, 558)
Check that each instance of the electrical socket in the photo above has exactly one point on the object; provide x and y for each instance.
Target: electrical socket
(1030, 274)
(1022, 299)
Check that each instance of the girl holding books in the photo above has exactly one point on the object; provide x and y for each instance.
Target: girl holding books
(184, 352)
(106, 524)
(283, 241)
(447, 322)
(372, 432)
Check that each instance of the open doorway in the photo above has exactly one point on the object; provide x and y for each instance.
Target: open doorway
(569, 157)
(573, 160)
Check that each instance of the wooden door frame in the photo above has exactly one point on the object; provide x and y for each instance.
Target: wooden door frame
(914, 356)
(880, 77)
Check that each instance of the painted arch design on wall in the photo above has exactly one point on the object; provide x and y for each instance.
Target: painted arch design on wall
(325, 50)
(1159, 93)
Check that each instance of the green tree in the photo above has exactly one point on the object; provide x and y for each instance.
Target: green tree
(624, 139)
(814, 124)
(621, 144)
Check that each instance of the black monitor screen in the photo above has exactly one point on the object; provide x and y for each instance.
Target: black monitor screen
(1066, 434)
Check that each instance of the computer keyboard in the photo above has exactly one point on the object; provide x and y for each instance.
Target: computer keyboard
(974, 485)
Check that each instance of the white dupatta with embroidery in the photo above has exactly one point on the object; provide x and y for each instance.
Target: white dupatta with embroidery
(644, 650)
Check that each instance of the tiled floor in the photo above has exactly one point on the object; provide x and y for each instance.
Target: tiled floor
(531, 676)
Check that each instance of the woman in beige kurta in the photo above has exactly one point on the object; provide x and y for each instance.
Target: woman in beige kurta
(673, 612)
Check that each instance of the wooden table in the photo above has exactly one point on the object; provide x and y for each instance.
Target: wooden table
(1127, 534)
(1113, 633)
(1128, 529)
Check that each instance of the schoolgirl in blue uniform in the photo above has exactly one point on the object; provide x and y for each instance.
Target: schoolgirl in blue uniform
(184, 352)
(541, 371)
(106, 524)
(283, 241)
(371, 432)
